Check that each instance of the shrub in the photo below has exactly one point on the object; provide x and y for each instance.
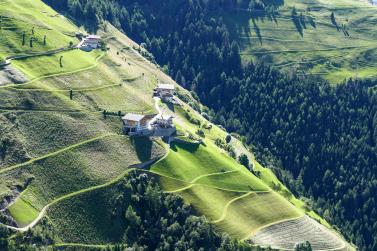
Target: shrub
(200, 132)
(244, 160)
(191, 118)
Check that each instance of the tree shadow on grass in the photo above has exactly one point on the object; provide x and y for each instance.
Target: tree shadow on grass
(257, 30)
(143, 147)
(171, 107)
(189, 147)
(296, 21)
(312, 22)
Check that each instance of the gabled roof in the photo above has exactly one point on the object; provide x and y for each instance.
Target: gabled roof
(166, 86)
(93, 37)
(133, 117)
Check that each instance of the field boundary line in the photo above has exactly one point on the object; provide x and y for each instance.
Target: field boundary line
(89, 89)
(296, 51)
(204, 185)
(31, 161)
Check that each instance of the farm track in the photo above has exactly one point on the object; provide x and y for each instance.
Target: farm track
(74, 90)
(192, 183)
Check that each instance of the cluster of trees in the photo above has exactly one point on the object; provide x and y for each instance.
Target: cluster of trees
(32, 240)
(325, 137)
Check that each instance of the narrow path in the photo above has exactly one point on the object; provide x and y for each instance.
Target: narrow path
(7, 169)
(192, 183)
(74, 90)
(159, 115)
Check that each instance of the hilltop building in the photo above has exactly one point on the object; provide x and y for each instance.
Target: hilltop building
(90, 42)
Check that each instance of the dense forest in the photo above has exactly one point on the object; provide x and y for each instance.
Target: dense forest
(322, 139)
(153, 221)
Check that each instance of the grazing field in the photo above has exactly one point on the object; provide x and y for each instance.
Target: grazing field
(312, 43)
(42, 66)
(197, 162)
(36, 20)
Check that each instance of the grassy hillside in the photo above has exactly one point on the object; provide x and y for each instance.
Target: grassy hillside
(36, 20)
(62, 156)
(310, 42)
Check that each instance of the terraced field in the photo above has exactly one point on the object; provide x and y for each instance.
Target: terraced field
(286, 234)
(311, 44)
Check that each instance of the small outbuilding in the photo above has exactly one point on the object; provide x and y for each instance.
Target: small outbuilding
(164, 126)
(165, 122)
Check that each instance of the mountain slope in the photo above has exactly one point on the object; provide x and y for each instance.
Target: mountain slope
(63, 156)
(304, 36)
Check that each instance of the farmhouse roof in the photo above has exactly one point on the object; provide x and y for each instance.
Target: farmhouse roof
(133, 117)
(166, 86)
(93, 37)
